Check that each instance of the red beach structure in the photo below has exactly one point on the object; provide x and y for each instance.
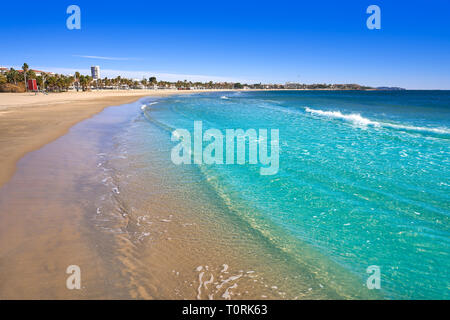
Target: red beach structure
(32, 85)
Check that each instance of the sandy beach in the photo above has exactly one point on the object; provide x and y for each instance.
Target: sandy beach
(29, 121)
(134, 238)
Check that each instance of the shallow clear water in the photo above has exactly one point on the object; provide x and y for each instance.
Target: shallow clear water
(363, 180)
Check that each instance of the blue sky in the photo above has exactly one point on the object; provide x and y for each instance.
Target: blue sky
(251, 41)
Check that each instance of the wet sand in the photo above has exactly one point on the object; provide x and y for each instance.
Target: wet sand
(28, 121)
(136, 226)
(157, 246)
(39, 223)
(151, 240)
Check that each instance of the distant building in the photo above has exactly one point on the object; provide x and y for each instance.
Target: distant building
(292, 85)
(95, 72)
(38, 73)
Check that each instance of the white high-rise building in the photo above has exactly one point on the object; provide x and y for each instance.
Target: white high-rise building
(95, 72)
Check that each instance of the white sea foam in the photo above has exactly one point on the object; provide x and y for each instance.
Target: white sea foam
(353, 117)
(144, 106)
(200, 280)
(357, 119)
(205, 283)
(227, 294)
(224, 97)
(232, 278)
(414, 128)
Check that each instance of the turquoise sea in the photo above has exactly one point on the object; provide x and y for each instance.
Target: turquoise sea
(363, 180)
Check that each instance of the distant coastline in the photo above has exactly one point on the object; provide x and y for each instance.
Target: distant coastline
(28, 79)
(390, 88)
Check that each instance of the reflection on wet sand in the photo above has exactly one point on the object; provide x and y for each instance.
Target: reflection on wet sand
(138, 227)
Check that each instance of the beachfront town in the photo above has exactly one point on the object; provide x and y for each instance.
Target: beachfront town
(27, 79)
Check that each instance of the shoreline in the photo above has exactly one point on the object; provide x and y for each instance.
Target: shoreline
(116, 212)
(75, 201)
(29, 122)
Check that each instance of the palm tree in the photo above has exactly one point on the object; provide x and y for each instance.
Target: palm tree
(12, 75)
(88, 82)
(82, 82)
(44, 77)
(51, 81)
(31, 74)
(70, 82)
(60, 84)
(25, 68)
(77, 79)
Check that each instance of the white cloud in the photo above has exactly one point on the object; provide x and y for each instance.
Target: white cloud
(104, 58)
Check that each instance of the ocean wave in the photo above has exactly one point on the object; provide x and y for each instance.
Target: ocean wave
(144, 106)
(146, 113)
(357, 119)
